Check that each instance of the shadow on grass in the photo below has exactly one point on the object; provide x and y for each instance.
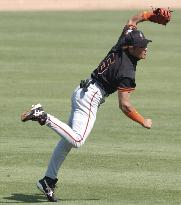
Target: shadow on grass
(24, 198)
(37, 198)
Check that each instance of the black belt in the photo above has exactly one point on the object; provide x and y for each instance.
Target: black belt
(84, 84)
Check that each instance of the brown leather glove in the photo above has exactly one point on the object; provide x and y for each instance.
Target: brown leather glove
(159, 15)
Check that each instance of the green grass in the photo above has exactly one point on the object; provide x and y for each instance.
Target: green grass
(43, 56)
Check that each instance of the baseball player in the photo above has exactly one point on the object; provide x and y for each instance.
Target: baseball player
(116, 72)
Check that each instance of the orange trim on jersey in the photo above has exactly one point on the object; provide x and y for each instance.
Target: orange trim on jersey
(125, 89)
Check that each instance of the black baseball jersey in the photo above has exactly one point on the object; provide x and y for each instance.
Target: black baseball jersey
(117, 70)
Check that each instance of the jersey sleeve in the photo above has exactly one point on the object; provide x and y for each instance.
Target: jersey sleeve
(126, 85)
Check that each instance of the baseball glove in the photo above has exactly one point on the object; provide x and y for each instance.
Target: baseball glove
(158, 15)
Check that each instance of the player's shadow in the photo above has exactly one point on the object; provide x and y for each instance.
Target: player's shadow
(24, 198)
(37, 198)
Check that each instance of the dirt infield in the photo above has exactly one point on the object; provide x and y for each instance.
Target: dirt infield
(13, 5)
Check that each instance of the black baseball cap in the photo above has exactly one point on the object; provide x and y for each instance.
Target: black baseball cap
(135, 38)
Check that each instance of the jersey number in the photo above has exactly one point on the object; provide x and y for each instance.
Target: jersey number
(104, 65)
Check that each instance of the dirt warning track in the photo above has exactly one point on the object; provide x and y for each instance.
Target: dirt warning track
(18, 5)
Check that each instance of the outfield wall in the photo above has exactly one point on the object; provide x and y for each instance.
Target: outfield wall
(14, 5)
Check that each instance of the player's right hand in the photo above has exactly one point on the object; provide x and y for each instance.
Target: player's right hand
(147, 123)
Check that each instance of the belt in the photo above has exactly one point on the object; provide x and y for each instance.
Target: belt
(84, 84)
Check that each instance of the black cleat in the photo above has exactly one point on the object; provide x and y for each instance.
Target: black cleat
(36, 113)
(47, 186)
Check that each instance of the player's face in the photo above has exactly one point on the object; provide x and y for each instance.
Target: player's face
(138, 52)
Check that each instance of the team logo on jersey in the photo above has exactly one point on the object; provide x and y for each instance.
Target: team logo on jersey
(105, 64)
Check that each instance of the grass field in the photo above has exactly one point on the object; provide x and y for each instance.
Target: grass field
(43, 56)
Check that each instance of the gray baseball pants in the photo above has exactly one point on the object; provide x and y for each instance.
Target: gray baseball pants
(81, 121)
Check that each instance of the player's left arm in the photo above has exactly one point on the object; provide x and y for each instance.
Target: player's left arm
(132, 23)
(130, 111)
(158, 15)
(134, 20)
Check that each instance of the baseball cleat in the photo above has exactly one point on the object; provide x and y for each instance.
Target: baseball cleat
(47, 187)
(36, 113)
